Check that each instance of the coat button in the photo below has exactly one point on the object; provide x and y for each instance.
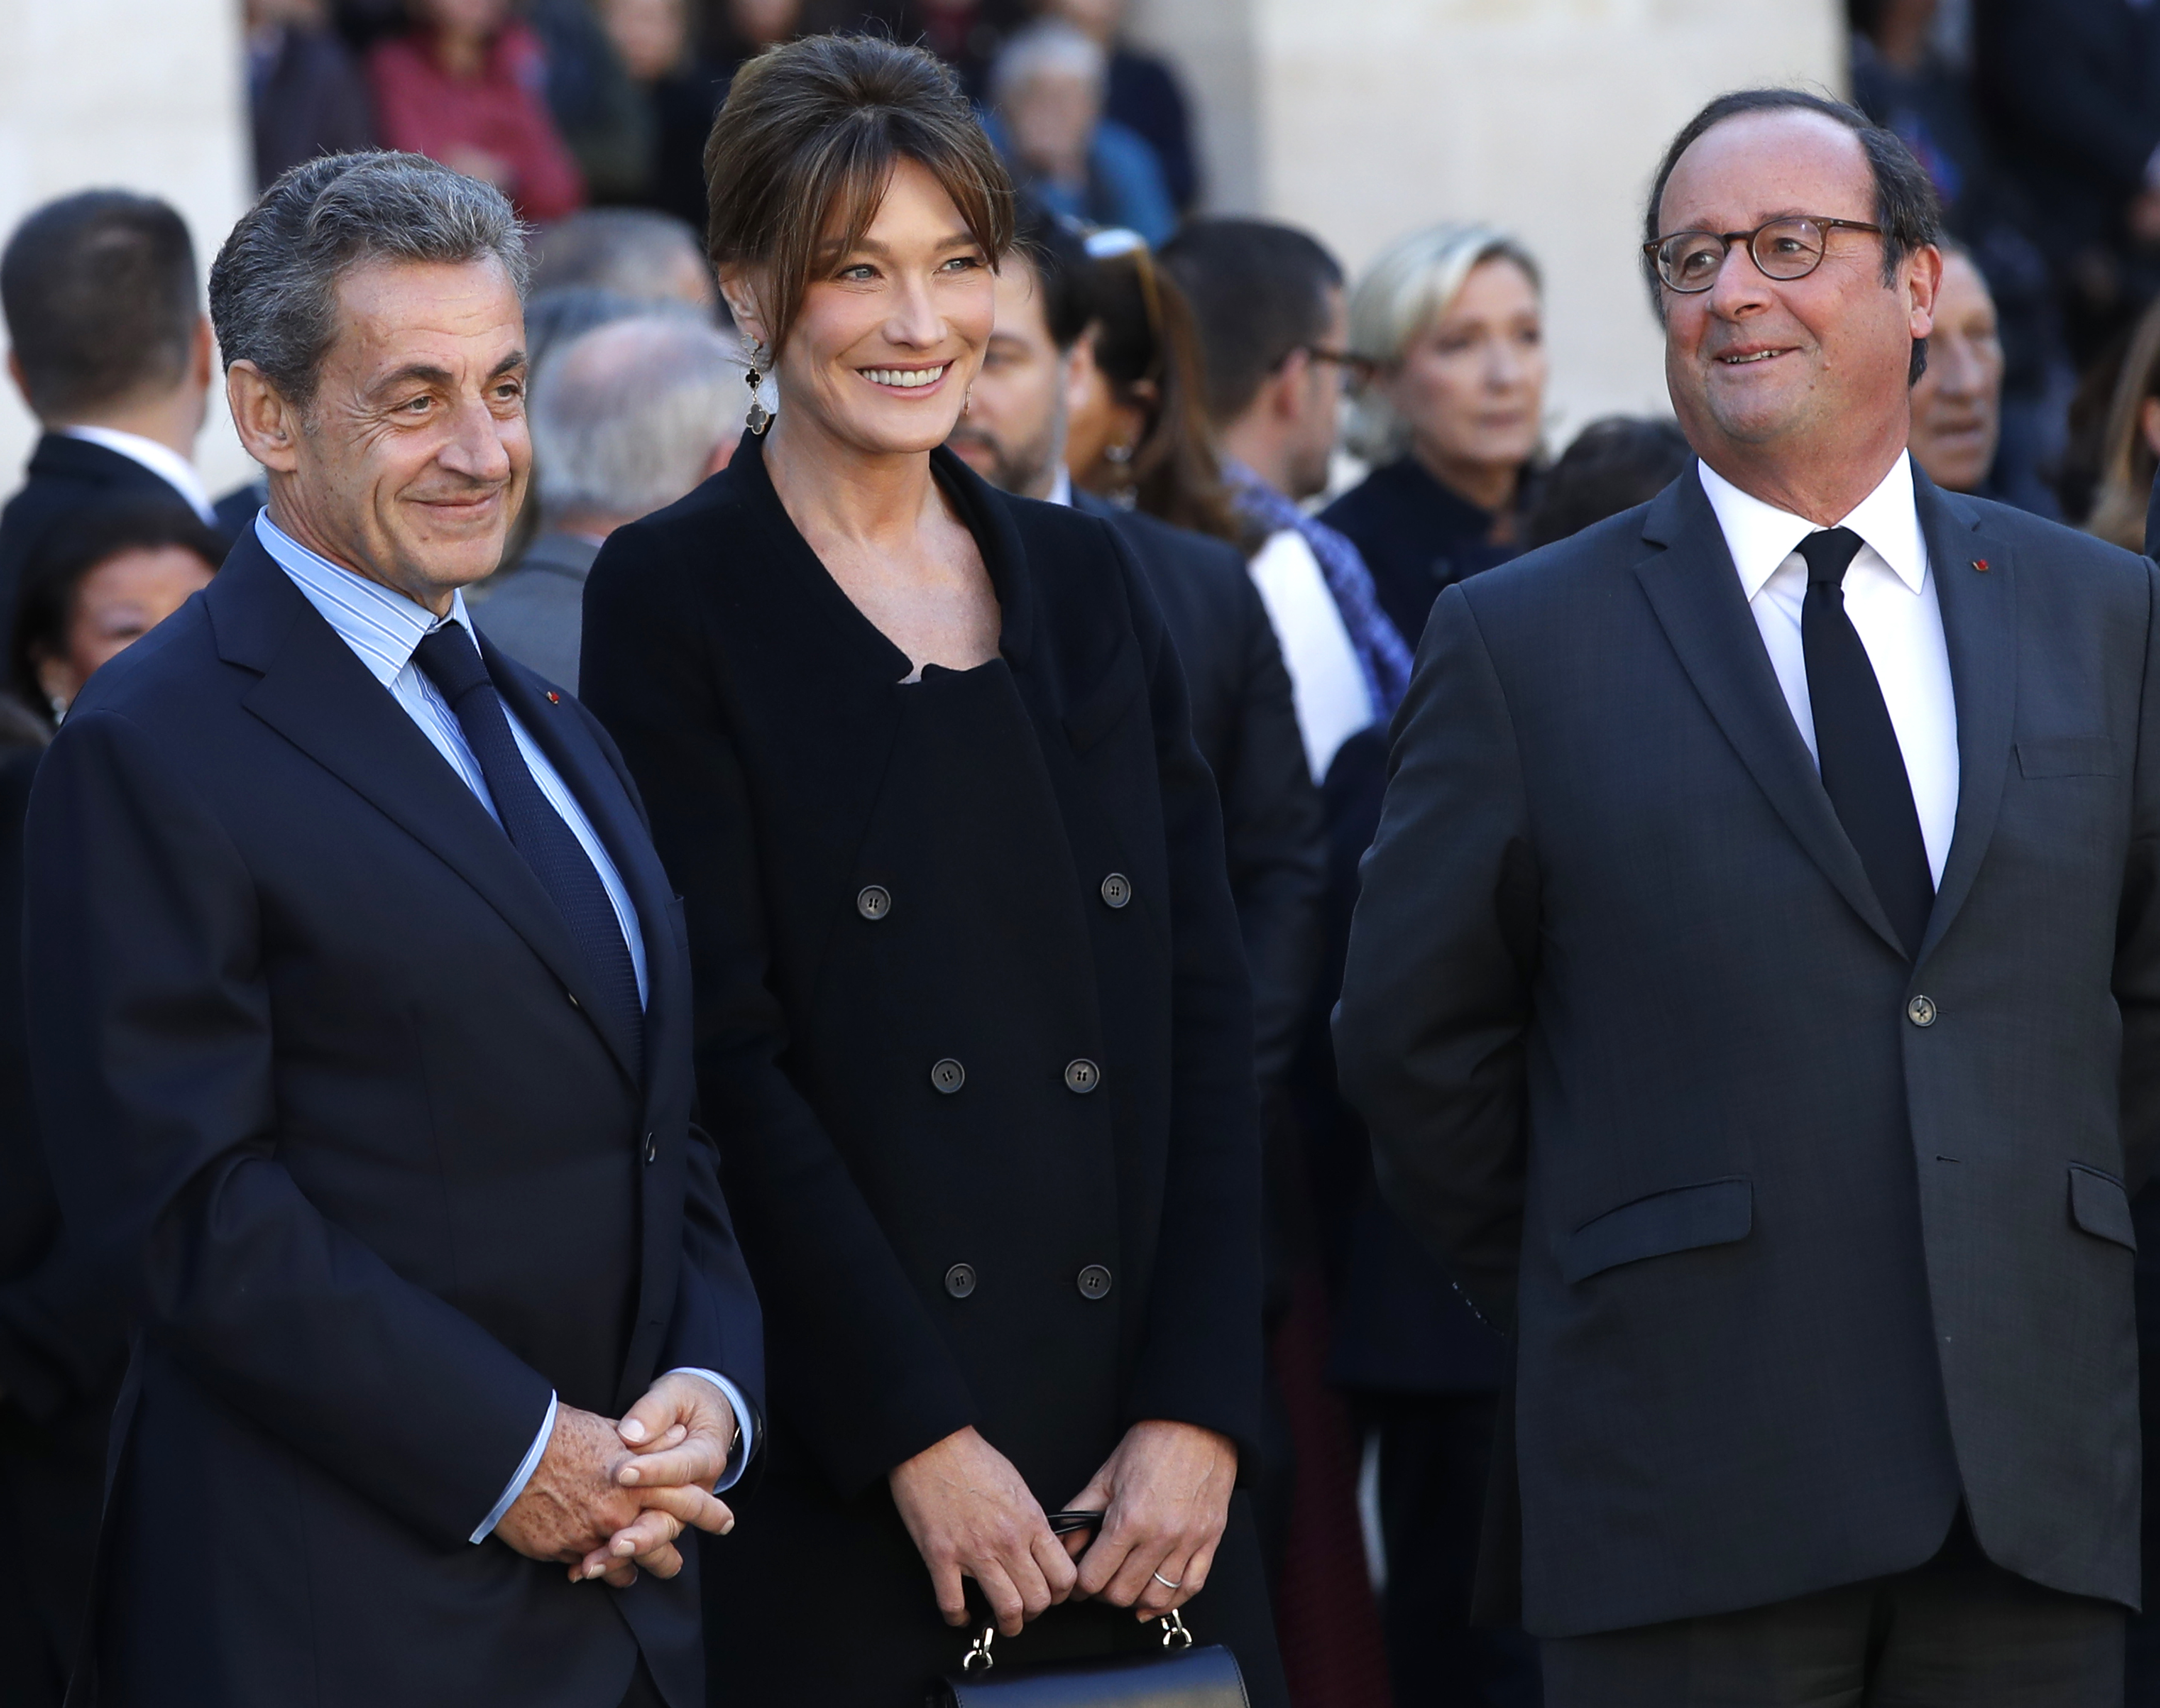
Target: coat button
(874, 901)
(960, 1280)
(1093, 1282)
(948, 1076)
(1117, 890)
(1921, 1011)
(1082, 1076)
(651, 1147)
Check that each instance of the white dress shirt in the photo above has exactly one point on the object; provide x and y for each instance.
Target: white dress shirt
(1890, 596)
(168, 464)
(1327, 683)
(383, 629)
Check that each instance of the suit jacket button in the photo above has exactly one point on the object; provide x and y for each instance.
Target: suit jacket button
(1921, 1011)
(1094, 1282)
(1082, 1076)
(874, 901)
(1117, 890)
(960, 1280)
(651, 1147)
(948, 1076)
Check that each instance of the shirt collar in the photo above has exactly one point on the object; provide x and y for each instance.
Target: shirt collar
(1060, 489)
(168, 464)
(1761, 536)
(381, 626)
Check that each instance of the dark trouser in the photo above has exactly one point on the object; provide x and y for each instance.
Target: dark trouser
(1957, 1632)
(1436, 1449)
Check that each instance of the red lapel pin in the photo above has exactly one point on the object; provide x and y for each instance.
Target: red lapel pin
(556, 699)
(1979, 563)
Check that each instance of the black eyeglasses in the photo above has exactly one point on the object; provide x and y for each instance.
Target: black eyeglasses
(1784, 250)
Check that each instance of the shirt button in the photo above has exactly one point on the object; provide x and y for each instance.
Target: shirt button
(651, 1147)
(960, 1280)
(1921, 1011)
(1117, 890)
(1081, 1076)
(948, 1076)
(874, 901)
(1093, 1282)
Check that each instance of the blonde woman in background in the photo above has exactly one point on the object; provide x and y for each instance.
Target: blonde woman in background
(2132, 444)
(1447, 331)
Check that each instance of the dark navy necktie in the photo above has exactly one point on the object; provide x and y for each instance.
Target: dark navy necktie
(1863, 770)
(448, 658)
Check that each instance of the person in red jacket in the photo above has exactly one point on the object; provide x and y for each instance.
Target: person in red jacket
(465, 85)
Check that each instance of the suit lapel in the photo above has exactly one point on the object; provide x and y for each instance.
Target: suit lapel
(319, 697)
(1693, 587)
(556, 725)
(1980, 629)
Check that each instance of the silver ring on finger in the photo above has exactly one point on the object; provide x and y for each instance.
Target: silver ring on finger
(1164, 1581)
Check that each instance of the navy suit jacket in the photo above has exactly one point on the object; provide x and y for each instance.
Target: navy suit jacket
(315, 1062)
(1803, 1240)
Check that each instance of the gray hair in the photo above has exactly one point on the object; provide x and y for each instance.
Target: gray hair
(273, 288)
(626, 417)
(1050, 46)
(635, 252)
(1405, 290)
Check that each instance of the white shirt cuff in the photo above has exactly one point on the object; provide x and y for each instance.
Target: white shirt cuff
(745, 1425)
(526, 1467)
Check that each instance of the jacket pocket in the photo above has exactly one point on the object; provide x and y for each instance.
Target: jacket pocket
(2069, 757)
(2100, 1205)
(1712, 1213)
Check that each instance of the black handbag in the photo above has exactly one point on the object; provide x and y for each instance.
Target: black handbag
(1184, 1675)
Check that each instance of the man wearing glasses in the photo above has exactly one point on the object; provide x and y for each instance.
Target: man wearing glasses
(1756, 994)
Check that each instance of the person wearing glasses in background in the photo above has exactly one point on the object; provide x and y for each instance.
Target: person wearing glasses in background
(1755, 996)
(1448, 330)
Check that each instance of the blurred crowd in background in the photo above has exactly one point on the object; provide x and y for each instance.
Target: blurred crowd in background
(1359, 441)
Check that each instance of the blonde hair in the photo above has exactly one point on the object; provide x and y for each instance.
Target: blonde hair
(2125, 473)
(1408, 285)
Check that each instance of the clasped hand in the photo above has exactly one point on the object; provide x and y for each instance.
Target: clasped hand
(610, 1497)
(1164, 1495)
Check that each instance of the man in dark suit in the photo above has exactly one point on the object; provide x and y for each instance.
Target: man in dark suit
(1755, 994)
(1243, 719)
(362, 1043)
(111, 350)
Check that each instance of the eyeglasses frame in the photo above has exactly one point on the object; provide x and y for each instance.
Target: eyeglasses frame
(1729, 238)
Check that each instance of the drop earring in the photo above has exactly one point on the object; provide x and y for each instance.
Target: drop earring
(968, 401)
(759, 418)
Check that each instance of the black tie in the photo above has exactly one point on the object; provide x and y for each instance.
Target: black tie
(1863, 770)
(448, 658)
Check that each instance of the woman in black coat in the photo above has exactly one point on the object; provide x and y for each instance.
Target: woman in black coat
(975, 1029)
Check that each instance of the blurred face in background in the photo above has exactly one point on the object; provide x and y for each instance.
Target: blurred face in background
(763, 22)
(1471, 385)
(1013, 433)
(890, 333)
(1100, 18)
(650, 36)
(1314, 395)
(463, 17)
(1957, 406)
(116, 604)
(1051, 116)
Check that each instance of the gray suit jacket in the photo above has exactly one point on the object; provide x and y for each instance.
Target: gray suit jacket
(1802, 1241)
(535, 611)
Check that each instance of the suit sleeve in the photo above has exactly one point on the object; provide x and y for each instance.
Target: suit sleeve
(2138, 931)
(1200, 1362)
(156, 1085)
(1278, 857)
(1428, 1036)
(871, 1381)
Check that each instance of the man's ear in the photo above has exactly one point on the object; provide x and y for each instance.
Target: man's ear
(1288, 388)
(1073, 368)
(268, 426)
(202, 354)
(1924, 284)
(22, 383)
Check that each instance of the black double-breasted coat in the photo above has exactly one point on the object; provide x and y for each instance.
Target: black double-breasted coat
(975, 1031)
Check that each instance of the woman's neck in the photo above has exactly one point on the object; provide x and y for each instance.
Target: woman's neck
(1491, 486)
(833, 491)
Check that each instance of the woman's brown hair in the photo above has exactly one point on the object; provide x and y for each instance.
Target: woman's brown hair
(2127, 462)
(806, 143)
(1149, 352)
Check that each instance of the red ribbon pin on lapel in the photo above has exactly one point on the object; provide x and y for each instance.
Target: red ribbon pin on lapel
(556, 699)
(1979, 563)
